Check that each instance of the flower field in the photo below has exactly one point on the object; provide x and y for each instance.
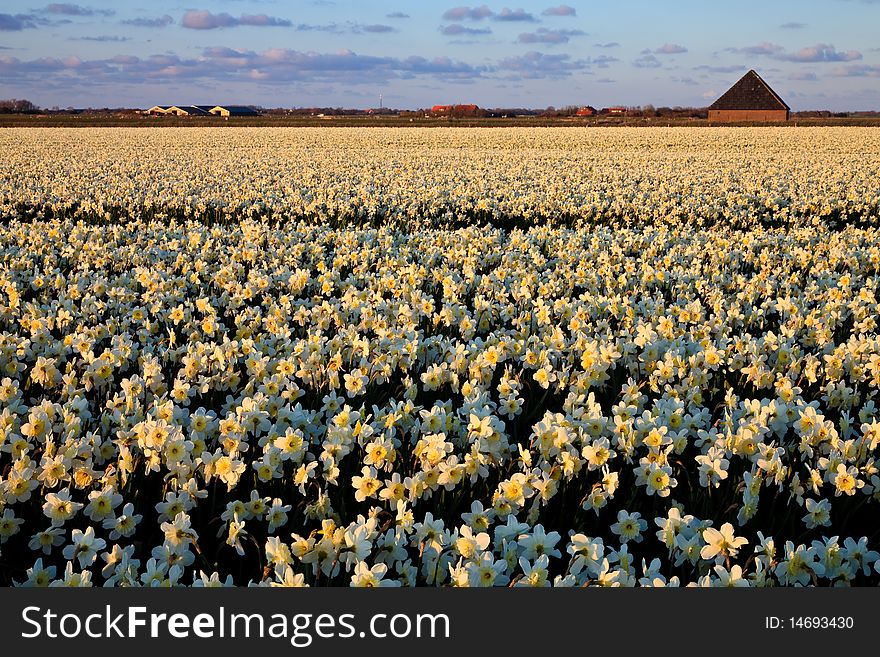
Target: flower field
(445, 178)
(443, 357)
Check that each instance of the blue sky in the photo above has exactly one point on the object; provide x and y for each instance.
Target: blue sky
(817, 55)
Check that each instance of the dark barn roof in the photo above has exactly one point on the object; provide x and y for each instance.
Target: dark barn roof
(750, 93)
(190, 109)
(240, 110)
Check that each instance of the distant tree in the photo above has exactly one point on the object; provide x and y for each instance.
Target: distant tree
(17, 106)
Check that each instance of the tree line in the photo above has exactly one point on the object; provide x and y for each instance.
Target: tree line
(17, 106)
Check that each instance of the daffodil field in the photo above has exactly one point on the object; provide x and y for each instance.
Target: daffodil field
(442, 357)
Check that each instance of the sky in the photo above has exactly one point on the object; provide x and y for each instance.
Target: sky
(345, 53)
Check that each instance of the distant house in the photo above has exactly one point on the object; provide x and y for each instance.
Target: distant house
(455, 110)
(617, 111)
(180, 110)
(158, 110)
(233, 110)
(190, 110)
(586, 111)
(750, 99)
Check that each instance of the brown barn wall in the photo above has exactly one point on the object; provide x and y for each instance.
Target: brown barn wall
(735, 116)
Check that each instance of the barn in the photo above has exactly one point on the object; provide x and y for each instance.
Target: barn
(159, 110)
(749, 100)
(455, 110)
(234, 110)
(179, 110)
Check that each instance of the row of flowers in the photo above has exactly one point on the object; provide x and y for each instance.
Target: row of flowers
(419, 178)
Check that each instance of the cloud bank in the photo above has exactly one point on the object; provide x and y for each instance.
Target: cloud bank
(205, 20)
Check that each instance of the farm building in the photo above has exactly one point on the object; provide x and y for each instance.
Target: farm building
(234, 110)
(179, 110)
(455, 110)
(586, 111)
(750, 99)
(190, 110)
